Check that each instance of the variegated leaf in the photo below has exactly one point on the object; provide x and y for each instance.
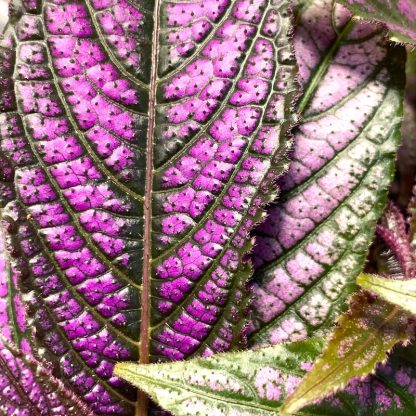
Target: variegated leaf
(13, 320)
(390, 391)
(314, 242)
(142, 138)
(256, 382)
(362, 338)
(248, 383)
(13, 323)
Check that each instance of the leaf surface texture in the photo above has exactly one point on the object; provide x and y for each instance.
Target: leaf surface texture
(362, 338)
(315, 239)
(398, 15)
(141, 140)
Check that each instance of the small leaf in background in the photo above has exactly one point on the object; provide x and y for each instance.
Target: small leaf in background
(401, 190)
(398, 292)
(390, 391)
(393, 231)
(411, 209)
(362, 338)
(315, 239)
(249, 383)
(28, 389)
(398, 15)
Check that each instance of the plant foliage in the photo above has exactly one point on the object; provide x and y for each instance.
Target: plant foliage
(315, 239)
(139, 145)
(398, 15)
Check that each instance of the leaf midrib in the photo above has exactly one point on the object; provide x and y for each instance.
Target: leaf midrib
(323, 67)
(142, 399)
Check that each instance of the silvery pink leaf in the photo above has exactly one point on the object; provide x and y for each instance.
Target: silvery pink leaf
(5, 327)
(143, 139)
(28, 389)
(361, 339)
(398, 15)
(249, 383)
(314, 242)
(3, 13)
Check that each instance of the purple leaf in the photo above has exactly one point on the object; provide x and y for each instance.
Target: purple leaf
(315, 239)
(392, 230)
(13, 325)
(13, 320)
(143, 139)
(28, 389)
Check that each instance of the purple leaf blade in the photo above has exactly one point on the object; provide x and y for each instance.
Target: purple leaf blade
(13, 319)
(13, 325)
(143, 140)
(315, 239)
(28, 389)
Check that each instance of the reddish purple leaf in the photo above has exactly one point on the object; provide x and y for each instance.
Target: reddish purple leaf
(28, 389)
(393, 232)
(142, 139)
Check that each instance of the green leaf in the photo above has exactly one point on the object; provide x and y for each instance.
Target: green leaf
(315, 239)
(362, 338)
(396, 291)
(390, 391)
(398, 15)
(249, 383)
